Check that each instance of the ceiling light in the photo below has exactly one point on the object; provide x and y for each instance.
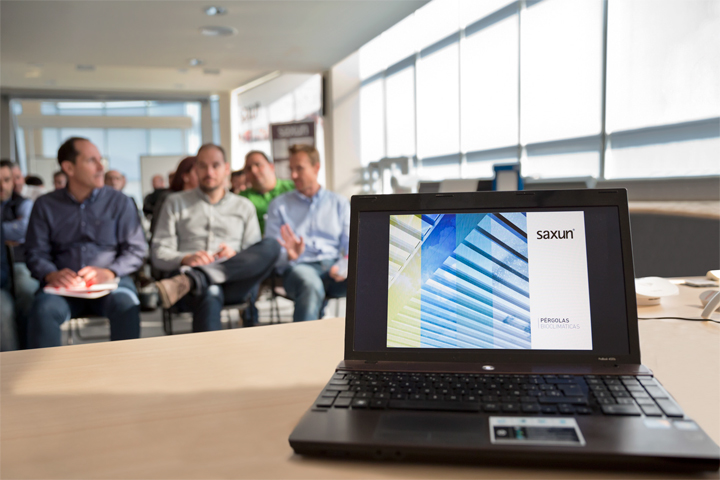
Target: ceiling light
(213, 11)
(85, 68)
(194, 62)
(217, 31)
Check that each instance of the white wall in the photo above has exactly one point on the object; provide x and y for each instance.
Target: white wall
(342, 120)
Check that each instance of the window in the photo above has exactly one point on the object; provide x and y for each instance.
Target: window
(561, 70)
(372, 122)
(125, 147)
(663, 71)
(490, 84)
(166, 141)
(601, 88)
(438, 106)
(400, 89)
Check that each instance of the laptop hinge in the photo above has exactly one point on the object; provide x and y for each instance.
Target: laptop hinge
(505, 368)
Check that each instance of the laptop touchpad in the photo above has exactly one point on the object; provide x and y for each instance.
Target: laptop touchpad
(432, 427)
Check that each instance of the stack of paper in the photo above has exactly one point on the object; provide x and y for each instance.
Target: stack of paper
(93, 291)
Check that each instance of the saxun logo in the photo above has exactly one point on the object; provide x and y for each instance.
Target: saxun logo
(555, 234)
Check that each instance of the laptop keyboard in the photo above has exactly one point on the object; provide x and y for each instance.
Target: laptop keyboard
(502, 394)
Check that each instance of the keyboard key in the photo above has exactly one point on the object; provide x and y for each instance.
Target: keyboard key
(621, 410)
(343, 402)
(657, 392)
(669, 407)
(437, 406)
(339, 388)
(651, 410)
(556, 400)
(324, 402)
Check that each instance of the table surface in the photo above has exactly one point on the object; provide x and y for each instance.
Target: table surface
(222, 404)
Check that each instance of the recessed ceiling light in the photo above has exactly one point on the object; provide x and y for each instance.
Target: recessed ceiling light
(85, 68)
(194, 62)
(217, 31)
(213, 11)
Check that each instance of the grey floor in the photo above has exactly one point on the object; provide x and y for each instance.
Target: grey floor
(98, 330)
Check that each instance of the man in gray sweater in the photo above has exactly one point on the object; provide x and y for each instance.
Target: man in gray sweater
(212, 237)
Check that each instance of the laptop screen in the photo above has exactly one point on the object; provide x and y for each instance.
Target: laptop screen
(491, 280)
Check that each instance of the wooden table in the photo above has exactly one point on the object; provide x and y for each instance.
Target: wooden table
(222, 404)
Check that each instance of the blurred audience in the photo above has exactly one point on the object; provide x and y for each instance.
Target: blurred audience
(184, 178)
(18, 179)
(59, 180)
(264, 185)
(16, 211)
(8, 334)
(213, 239)
(82, 235)
(34, 187)
(115, 180)
(313, 226)
(238, 181)
(158, 184)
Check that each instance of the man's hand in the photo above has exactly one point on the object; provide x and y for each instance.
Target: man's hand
(225, 252)
(294, 246)
(65, 278)
(198, 258)
(335, 274)
(95, 275)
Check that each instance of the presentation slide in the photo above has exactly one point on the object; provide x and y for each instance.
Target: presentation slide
(510, 280)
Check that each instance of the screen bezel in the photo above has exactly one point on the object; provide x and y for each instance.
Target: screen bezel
(519, 201)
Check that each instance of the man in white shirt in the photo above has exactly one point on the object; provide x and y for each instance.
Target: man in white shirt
(213, 238)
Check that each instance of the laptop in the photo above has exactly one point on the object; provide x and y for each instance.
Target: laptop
(497, 327)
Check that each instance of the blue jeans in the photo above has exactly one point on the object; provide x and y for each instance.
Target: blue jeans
(48, 312)
(308, 284)
(206, 307)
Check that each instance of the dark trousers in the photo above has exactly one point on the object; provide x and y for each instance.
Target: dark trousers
(48, 312)
(228, 282)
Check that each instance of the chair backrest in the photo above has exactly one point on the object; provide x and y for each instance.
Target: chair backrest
(674, 245)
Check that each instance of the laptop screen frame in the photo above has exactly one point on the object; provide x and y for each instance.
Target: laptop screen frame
(517, 201)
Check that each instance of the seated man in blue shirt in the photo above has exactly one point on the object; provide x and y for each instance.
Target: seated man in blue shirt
(15, 217)
(313, 227)
(84, 234)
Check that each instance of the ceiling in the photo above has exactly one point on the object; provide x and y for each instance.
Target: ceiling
(145, 45)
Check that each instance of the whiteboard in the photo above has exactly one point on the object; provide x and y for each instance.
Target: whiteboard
(156, 165)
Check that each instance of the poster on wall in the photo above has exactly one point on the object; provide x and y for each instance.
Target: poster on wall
(284, 135)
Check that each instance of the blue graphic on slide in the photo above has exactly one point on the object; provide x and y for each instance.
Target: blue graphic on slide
(459, 281)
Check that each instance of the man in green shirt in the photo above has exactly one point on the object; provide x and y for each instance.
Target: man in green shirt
(260, 173)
